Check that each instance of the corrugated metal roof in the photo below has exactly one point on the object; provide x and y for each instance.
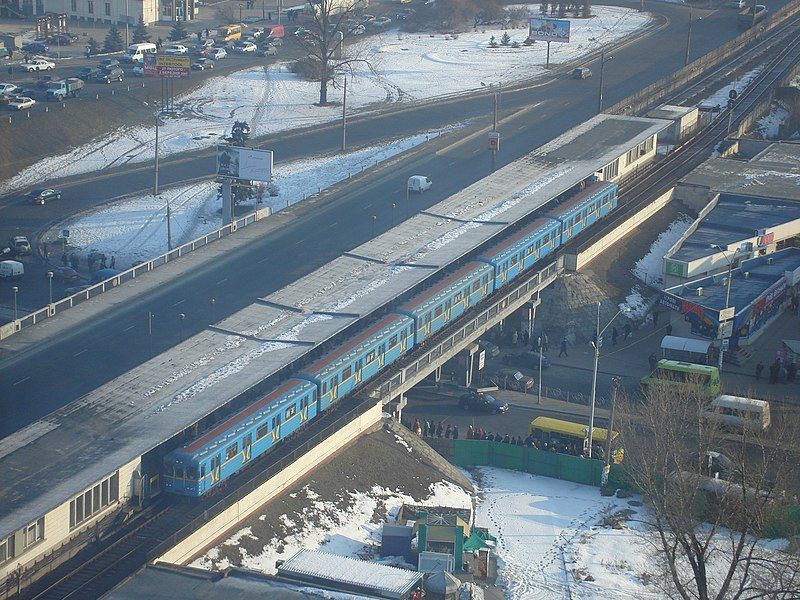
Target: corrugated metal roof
(350, 571)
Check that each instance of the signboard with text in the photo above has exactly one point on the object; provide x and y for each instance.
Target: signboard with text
(244, 163)
(169, 67)
(548, 30)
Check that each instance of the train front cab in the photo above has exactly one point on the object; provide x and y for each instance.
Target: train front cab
(222, 451)
(434, 308)
(339, 372)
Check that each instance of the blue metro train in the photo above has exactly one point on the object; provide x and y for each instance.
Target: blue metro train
(208, 460)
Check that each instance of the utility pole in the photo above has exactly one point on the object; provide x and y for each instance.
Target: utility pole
(344, 116)
(600, 93)
(688, 40)
(610, 434)
(150, 332)
(280, 9)
(494, 128)
(263, 10)
(169, 225)
(127, 19)
(155, 184)
(541, 350)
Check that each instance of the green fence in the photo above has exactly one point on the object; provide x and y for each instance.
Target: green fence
(522, 458)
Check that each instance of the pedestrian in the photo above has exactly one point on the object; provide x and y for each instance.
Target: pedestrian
(627, 331)
(563, 351)
(448, 432)
(439, 430)
(653, 360)
(455, 432)
(481, 434)
(199, 36)
(655, 320)
(269, 16)
(113, 262)
(10, 72)
(528, 441)
(514, 338)
(507, 439)
(159, 43)
(614, 336)
(208, 33)
(545, 345)
(759, 370)
(513, 441)
(102, 261)
(669, 329)
(417, 428)
(774, 369)
(525, 337)
(64, 259)
(469, 432)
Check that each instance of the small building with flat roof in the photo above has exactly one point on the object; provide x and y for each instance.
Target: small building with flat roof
(757, 292)
(684, 122)
(731, 227)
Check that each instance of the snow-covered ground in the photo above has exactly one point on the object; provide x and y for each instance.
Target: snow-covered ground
(650, 268)
(272, 99)
(135, 229)
(720, 97)
(768, 126)
(326, 527)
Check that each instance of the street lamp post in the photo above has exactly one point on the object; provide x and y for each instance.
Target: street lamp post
(730, 261)
(596, 344)
(689, 38)
(541, 350)
(374, 218)
(393, 207)
(213, 307)
(181, 318)
(155, 182)
(15, 289)
(50, 282)
(603, 61)
(241, 6)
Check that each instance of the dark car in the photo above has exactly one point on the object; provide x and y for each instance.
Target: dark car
(203, 64)
(483, 402)
(103, 274)
(66, 274)
(87, 73)
(527, 360)
(109, 63)
(36, 48)
(42, 196)
(115, 74)
(74, 290)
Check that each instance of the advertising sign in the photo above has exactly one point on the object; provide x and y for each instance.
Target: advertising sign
(676, 268)
(726, 314)
(170, 67)
(244, 163)
(548, 30)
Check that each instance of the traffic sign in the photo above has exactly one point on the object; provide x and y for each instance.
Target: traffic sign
(733, 94)
(494, 140)
(726, 314)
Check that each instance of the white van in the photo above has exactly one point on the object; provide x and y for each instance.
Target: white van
(738, 413)
(419, 183)
(737, 4)
(137, 52)
(10, 269)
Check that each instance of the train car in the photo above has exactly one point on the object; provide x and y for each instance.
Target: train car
(584, 209)
(435, 307)
(201, 464)
(341, 370)
(511, 257)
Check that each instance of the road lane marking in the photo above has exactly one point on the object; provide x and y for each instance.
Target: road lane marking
(332, 225)
(366, 206)
(300, 242)
(179, 302)
(129, 328)
(81, 352)
(22, 381)
(222, 281)
(264, 259)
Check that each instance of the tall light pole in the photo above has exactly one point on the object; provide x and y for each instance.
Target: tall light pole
(596, 344)
(127, 20)
(181, 318)
(15, 289)
(50, 282)
(541, 349)
(155, 182)
(241, 6)
(603, 61)
(344, 116)
(730, 261)
(689, 38)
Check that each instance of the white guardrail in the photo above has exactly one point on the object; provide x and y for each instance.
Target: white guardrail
(30, 319)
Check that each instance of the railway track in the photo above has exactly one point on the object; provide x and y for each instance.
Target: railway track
(133, 545)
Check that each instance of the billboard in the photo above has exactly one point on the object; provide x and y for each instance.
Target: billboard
(244, 163)
(548, 30)
(170, 67)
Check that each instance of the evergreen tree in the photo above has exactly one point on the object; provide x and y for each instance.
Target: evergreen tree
(506, 39)
(587, 9)
(141, 33)
(543, 7)
(94, 47)
(492, 42)
(562, 10)
(113, 41)
(178, 31)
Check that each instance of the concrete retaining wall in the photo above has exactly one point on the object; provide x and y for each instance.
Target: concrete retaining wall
(575, 262)
(185, 550)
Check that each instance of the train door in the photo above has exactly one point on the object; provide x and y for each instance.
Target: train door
(334, 387)
(304, 409)
(276, 428)
(247, 447)
(359, 367)
(216, 462)
(427, 324)
(403, 341)
(381, 355)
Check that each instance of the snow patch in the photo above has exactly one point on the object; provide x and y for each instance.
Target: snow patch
(650, 268)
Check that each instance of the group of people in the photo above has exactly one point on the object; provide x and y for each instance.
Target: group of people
(91, 260)
(780, 371)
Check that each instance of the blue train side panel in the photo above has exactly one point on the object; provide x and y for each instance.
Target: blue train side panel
(433, 308)
(583, 210)
(341, 370)
(520, 252)
(201, 464)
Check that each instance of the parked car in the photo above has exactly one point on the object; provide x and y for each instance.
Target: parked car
(511, 379)
(581, 73)
(358, 30)
(109, 63)
(419, 183)
(275, 41)
(217, 54)
(381, 22)
(528, 359)
(37, 64)
(245, 48)
(115, 74)
(268, 51)
(8, 89)
(19, 245)
(366, 19)
(87, 73)
(175, 49)
(43, 195)
(21, 103)
(138, 71)
(205, 51)
(66, 274)
(483, 402)
(11, 269)
(62, 39)
(202, 64)
(492, 350)
(103, 274)
(35, 48)
(206, 43)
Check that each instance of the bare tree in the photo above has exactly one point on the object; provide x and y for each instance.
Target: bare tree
(708, 517)
(333, 23)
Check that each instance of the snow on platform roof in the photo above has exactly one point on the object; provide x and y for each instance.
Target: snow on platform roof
(348, 286)
(349, 573)
(426, 239)
(728, 175)
(785, 153)
(57, 457)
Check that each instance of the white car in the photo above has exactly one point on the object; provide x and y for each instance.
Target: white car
(176, 49)
(246, 47)
(217, 54)
(7, 89)
(37, 64)
(21, 102)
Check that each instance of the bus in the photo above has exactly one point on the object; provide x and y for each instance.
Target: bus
(229, 33)
(703, 379)
(738, 413)
(549, 430)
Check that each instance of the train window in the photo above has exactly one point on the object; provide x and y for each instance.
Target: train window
(96, 496)
(202, 470)
(276, 421)
(262, 431)
(457, 297)
(290, 412)
(191, 473)
(371, 356)
(33, 533)
(335, 381)
(78, 502)
(231, 451)
(87, 503)
(393, 341)
(324, 387)
(347, 373)
(215, 462)
(476, 286)
(439, 310)
(7, 549)
(304, 402)
(513, 260)
(113, 487)
(247, 440)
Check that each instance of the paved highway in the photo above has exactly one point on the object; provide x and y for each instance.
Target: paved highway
(56, 372)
